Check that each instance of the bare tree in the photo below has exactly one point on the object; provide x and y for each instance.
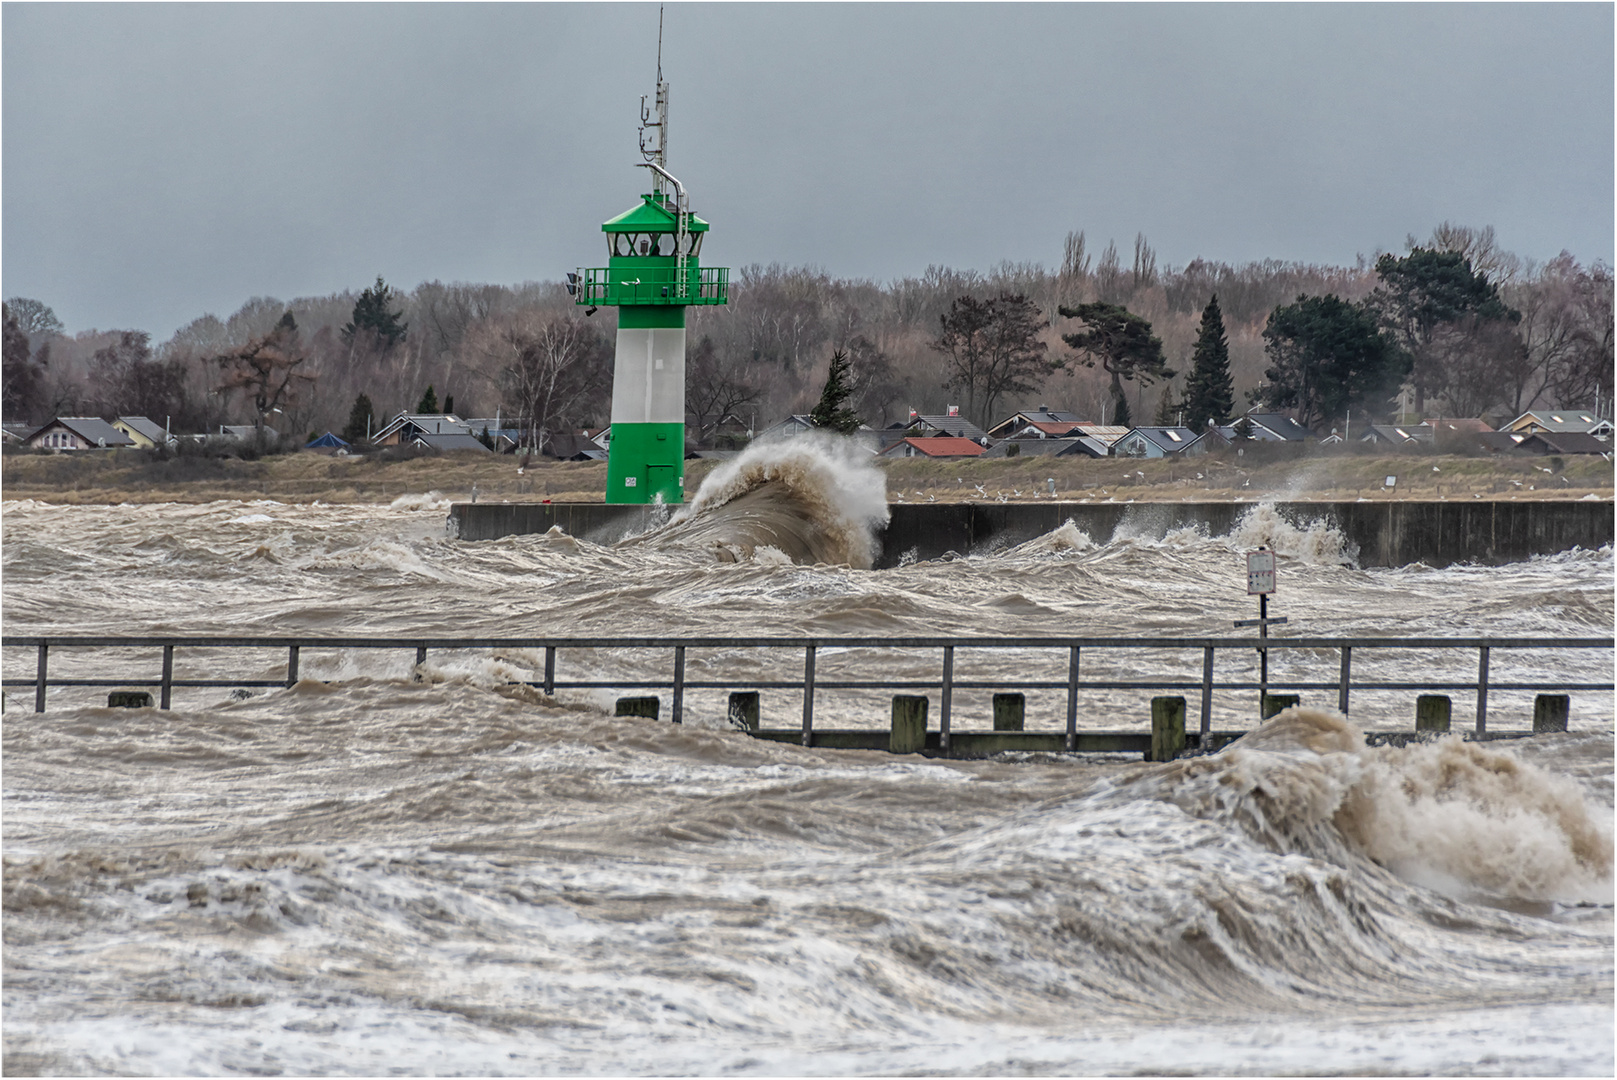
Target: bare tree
(716, 385)
(553, 370)
(267, 370)
(994, 349)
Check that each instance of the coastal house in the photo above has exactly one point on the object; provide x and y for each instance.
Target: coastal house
(1388, 435)
(1559, 422)
(1043, 422)
(13, 434)
(1542, 442)
(937, 446)
(574, 446)
(404, 428)
(951, 425)
(1105, 434)
(449, 440)
(1281, 426)
(77, 433)
(246, 433)
(1153, 442)
(145, 433)
(1207, 442)
(789, 428)
(1074, 447)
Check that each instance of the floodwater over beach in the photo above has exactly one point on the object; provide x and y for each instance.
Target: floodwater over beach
(386, 869)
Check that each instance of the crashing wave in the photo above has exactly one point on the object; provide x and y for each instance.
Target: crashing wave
(813, 499)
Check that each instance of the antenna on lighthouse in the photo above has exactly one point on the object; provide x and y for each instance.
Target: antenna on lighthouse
(656, 151)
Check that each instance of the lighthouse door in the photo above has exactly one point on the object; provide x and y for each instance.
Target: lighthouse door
(660, 480)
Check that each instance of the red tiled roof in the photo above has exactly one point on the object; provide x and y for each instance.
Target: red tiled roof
(940, 446)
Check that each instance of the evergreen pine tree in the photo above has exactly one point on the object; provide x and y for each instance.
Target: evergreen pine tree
(1209, 392)
(830, 413)
(1243, 427)
(1120, 414)
(1167, 408)
(429, 402)
(359, 420)
(371, 316)
(449, 403)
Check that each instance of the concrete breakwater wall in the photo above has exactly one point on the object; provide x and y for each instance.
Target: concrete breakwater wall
(1387, 533)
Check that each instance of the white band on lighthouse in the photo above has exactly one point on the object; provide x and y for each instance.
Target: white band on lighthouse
(648, 378)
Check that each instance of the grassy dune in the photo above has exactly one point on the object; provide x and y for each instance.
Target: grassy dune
(135, 476)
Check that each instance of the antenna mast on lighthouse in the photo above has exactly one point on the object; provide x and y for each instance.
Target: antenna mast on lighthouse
(656, 152)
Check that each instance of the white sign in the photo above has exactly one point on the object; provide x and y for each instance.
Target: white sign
(1260, 572)
(630, 481)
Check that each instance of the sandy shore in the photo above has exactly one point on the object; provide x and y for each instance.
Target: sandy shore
(130, 476)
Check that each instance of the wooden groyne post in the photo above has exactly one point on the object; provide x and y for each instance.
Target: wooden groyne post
(909, 724)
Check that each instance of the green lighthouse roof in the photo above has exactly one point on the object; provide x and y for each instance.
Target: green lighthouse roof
(651, 216)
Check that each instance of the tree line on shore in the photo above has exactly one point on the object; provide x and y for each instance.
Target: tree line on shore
(1454, 324)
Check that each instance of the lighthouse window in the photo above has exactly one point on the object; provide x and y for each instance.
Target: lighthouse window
(620, 244)
(665, 244)
(693, 243)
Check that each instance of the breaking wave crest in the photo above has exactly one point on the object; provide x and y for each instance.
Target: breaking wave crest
(813, 499)
(1459, 818)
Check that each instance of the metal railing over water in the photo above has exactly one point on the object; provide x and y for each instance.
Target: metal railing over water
(809, 647)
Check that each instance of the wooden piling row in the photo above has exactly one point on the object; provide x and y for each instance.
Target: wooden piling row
(908, 731)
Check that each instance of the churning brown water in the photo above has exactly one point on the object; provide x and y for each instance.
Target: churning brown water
(369, 873)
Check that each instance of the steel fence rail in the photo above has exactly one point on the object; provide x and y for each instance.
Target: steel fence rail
(946, 683)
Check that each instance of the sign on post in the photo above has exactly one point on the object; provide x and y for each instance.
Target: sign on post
(1260, 573)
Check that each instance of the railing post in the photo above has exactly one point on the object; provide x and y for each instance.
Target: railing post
(1072, 700)
(1207, 694)
(39, 677)
(166, 695)
(1343, 682)
(808, 695)
(550, 670)
(679, 684)
(1482, 690)
(948, 692)
(291, 666)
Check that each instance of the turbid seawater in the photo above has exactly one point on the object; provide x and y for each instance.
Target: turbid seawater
(392, 870)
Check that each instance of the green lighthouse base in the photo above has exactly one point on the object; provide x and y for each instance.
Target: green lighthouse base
(646, 463)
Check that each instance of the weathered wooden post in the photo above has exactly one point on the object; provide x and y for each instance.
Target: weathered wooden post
(1432, 712)
(909, 724)
(129, 699)
(1278, 703)
(744, 710)
(1550, 712)
(639, 706)
(1167, 728)
(1009, 710)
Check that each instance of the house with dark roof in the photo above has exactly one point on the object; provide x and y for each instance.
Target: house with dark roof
(1045, 448)
(145, 433)
(403, 429)
(940, 446)
(450, 440)
(1153, 442)
(1542, 442)
(951, 424)
(1053, 422)
(77, 433)
(1280, 425)
(1560, 421)
(1388, 435)
(574, 446)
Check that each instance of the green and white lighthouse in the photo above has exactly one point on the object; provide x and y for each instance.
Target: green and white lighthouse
(652, 275)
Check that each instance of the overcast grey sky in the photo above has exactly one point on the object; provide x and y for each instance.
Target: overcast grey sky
(162, 161)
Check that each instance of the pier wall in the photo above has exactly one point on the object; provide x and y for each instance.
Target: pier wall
(1386, 532)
